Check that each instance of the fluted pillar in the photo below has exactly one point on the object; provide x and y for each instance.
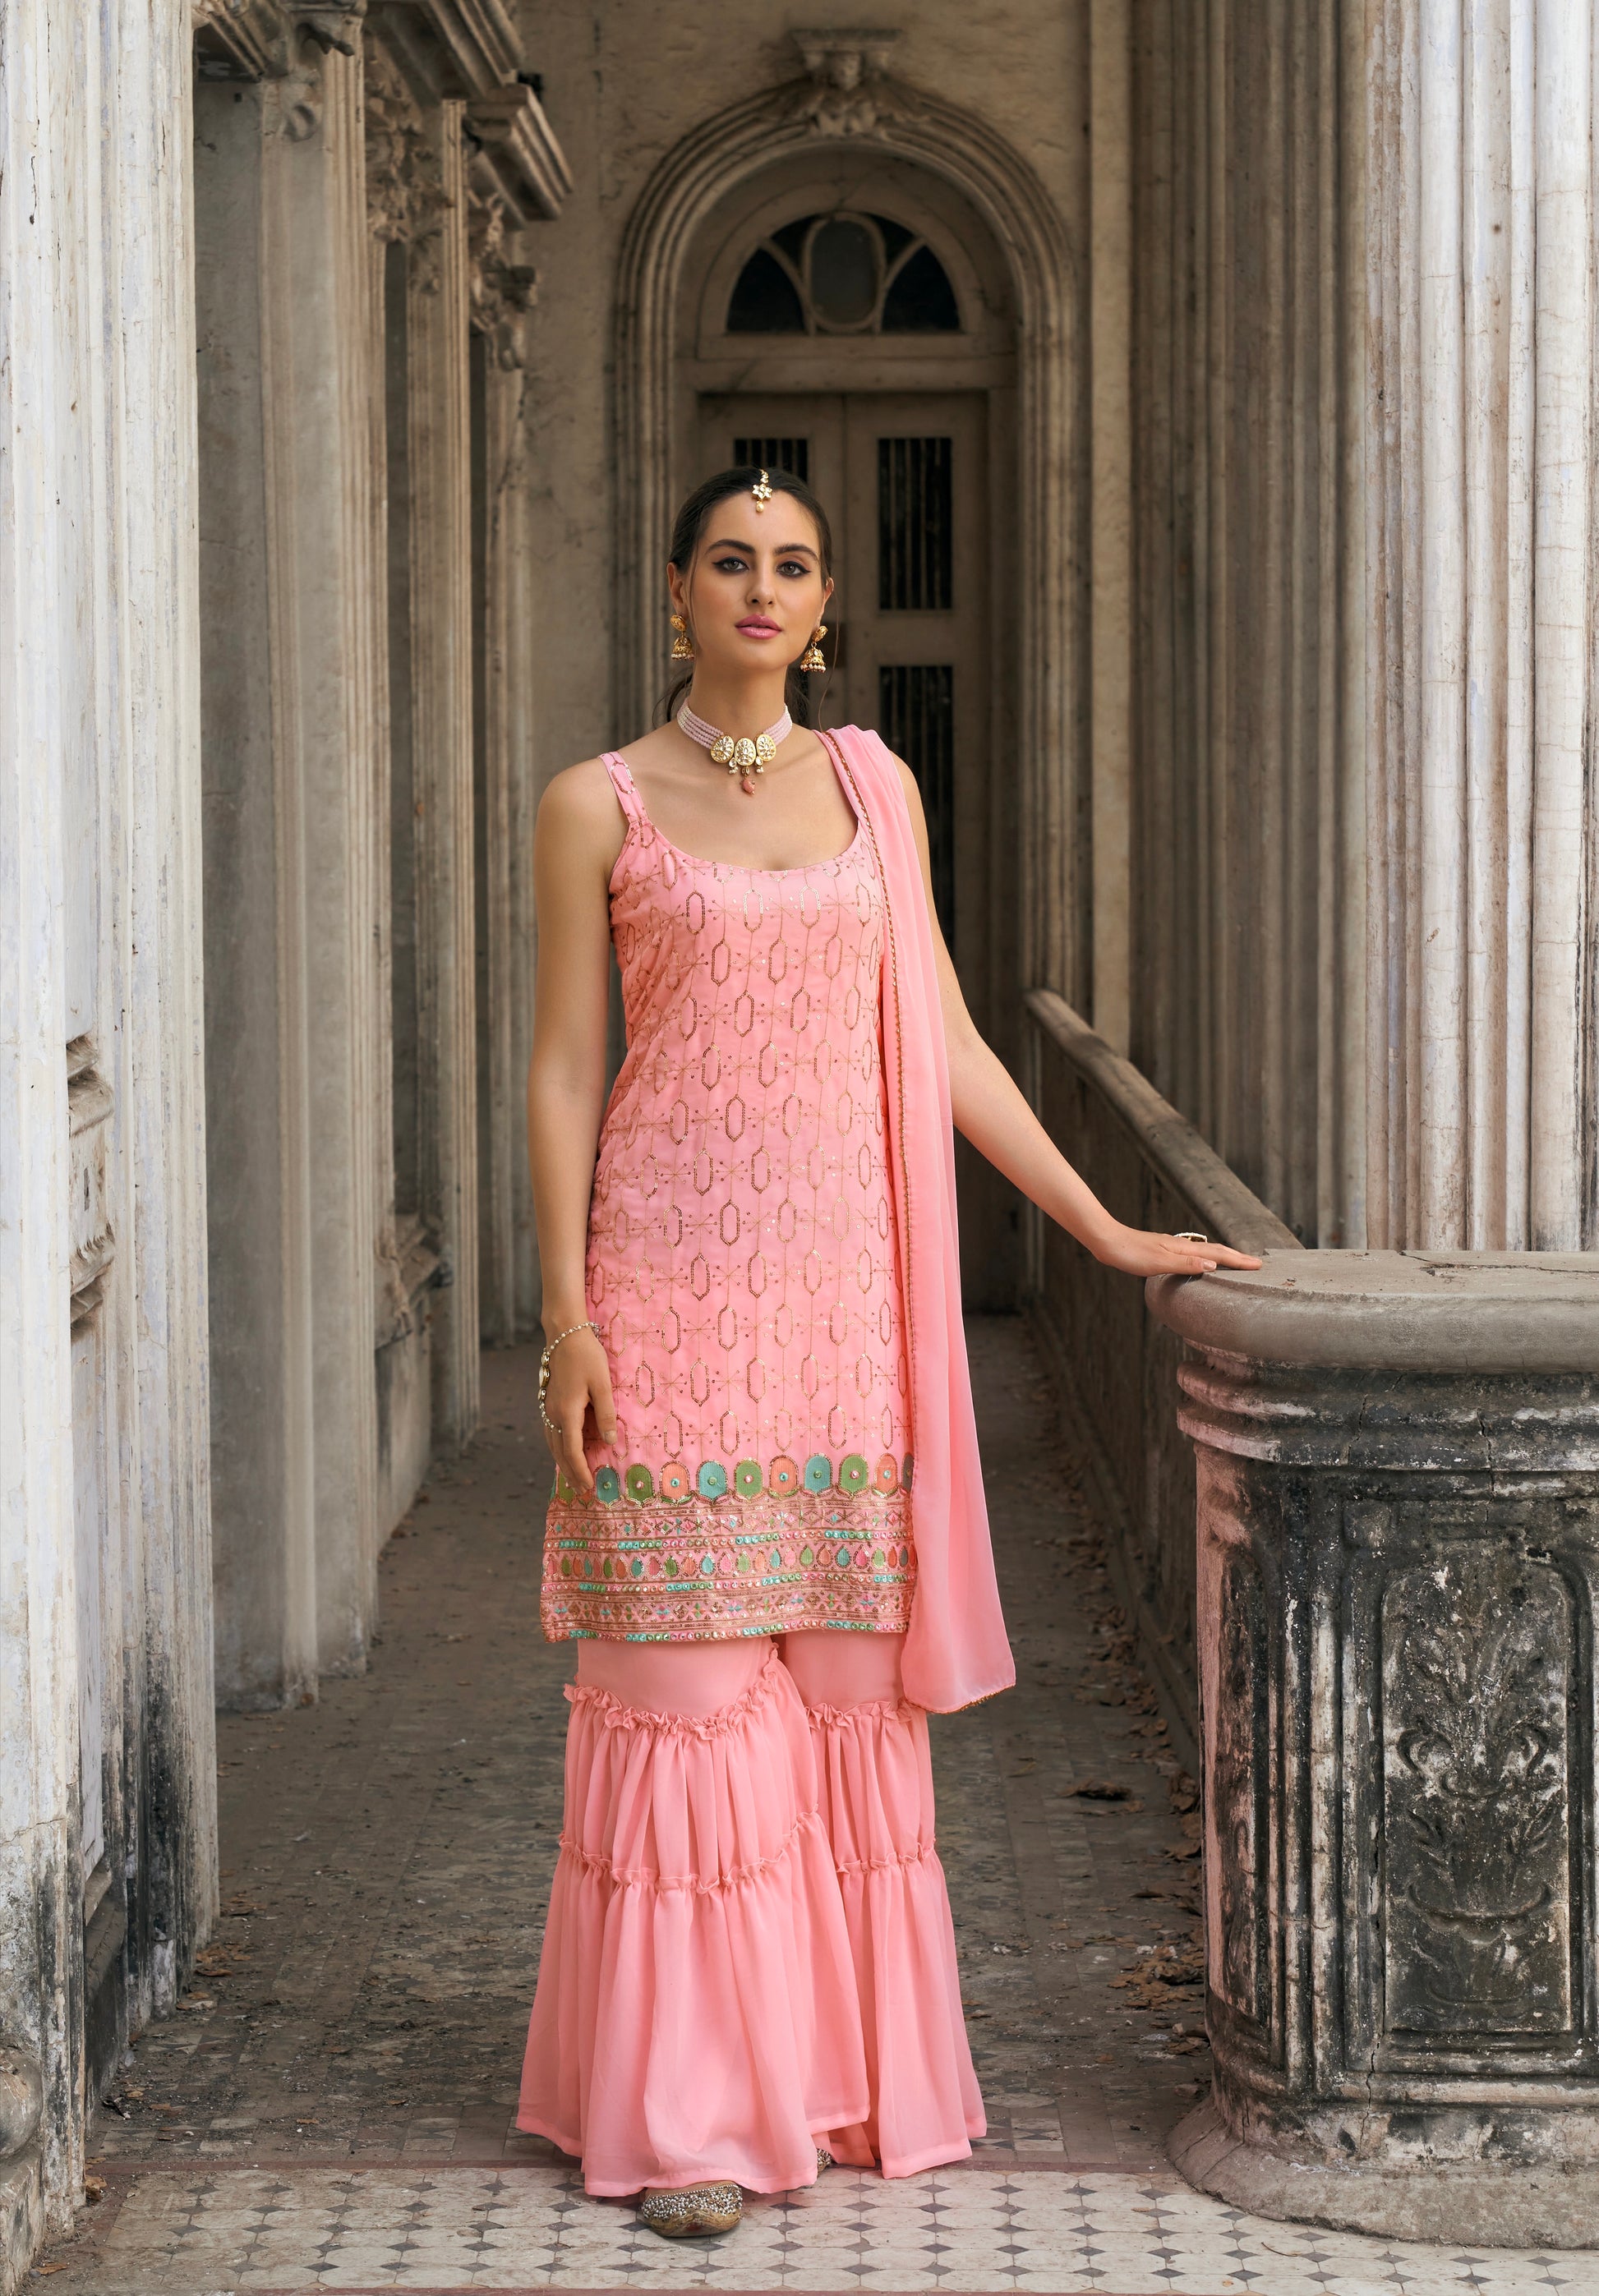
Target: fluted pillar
(1479, 538)
(1363, 924)
(324, 429)
(107, 1780)
(441, 739)
(257, 1021)
(290, 725)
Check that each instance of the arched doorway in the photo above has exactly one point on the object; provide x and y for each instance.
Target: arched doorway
(853, 325)
(847, 316)
(915, 426)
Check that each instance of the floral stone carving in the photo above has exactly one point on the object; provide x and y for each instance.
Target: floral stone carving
(405, 198)
(1398, 1596)
(1478, 1652)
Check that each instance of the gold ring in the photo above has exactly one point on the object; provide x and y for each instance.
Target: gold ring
(1189, 1235)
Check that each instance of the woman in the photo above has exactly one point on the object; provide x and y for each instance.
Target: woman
(767, 1532)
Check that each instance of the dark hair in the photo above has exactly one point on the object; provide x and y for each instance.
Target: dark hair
(687, 528)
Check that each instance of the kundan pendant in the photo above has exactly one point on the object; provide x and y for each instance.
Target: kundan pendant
(743, 754)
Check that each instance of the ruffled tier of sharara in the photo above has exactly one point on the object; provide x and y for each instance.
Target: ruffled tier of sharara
(750, 1950)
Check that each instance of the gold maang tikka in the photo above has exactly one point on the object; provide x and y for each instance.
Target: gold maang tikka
(762, 491)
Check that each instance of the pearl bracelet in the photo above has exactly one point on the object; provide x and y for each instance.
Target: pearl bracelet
(544, 1370)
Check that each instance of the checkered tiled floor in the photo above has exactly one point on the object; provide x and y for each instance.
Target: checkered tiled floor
(286, 2233)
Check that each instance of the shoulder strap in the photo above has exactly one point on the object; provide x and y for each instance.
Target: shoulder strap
(627, 795)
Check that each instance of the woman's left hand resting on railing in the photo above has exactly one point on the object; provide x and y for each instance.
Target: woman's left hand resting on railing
(990, 1111)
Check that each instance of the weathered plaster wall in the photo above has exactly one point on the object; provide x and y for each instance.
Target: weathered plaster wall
(107, 1842)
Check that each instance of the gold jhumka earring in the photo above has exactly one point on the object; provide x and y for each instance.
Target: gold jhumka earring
(811, 658)
(681, 650)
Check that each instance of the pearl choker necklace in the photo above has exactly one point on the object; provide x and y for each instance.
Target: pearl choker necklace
(744, 756)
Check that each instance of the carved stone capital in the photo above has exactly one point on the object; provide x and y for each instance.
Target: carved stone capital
(405, 198)
(273, 39)
(849, 90)
(332, 25)
(502, 291)
(243, 39)
(517, 159)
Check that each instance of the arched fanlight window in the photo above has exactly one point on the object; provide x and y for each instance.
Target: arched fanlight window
(844, 274)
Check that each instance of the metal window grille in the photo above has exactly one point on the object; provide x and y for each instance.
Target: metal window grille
(915, 715)
(914, 554)
(790, 455)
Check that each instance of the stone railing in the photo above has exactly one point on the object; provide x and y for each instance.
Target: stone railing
(1119, 1367)
(1399, 1585)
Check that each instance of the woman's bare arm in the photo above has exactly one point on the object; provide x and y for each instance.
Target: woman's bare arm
(575, 846)
(991, 1112)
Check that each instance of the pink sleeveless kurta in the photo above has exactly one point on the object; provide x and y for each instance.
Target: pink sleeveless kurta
(743, 1264)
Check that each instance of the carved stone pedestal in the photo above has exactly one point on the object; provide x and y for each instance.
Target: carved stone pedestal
(1398, 1589)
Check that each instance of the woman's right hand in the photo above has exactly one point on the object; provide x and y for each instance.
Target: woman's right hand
(577, 1403)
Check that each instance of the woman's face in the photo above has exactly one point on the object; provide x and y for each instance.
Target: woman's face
(756, 589)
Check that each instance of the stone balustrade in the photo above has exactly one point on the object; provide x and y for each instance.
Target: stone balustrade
(1117, 1366)
(1398, 1475)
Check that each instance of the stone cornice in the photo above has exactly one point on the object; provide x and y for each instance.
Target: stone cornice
(518, 160)
(1491, 1314)
(242, 39)
(474, 45)
(255, 39)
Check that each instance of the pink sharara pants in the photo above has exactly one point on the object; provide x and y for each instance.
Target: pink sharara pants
(749, 1950)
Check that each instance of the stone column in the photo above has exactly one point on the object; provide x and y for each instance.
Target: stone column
(1247, 964)
(519, 177)
(441, 733)
(321, 413)
(405, 207)
(1398, 1590)
(258, 1024)
(1364, 929)
(292, 732)
(154, 849)
(523, 641)
(502, 292)
(40, 2122)
(1479, 543)
(495, 449)
(1109, 510)
(107, 1838)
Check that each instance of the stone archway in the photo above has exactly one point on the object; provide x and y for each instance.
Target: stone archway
(846, 95)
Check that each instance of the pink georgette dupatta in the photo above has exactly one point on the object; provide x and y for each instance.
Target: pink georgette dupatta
(956, 1651)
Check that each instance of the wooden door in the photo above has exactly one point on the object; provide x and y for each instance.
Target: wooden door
(902, 477)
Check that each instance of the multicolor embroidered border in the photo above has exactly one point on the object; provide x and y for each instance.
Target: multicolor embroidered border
(664, 1571)
(782, 1478)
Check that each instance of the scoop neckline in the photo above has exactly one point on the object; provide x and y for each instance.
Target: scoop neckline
(745, 868)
